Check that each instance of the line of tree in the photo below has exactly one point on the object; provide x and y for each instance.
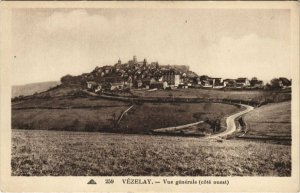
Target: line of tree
(277, 83)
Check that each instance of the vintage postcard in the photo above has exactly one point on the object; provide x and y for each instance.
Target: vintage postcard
(149, 96)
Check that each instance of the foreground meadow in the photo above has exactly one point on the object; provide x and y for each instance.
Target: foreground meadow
(57, 153)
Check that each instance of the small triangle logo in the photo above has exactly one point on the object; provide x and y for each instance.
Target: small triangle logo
(92, 182)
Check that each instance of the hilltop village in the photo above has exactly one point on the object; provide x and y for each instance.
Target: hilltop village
(136, 74)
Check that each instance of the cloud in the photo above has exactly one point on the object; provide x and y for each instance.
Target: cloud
(74, 21)
(52, 43)
(249, 55)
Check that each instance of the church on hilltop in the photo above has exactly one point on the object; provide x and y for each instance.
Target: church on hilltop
(132, 62)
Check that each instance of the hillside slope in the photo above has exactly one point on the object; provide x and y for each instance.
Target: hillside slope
(272, 122)
(29, 89)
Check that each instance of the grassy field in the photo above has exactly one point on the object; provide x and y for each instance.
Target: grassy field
(88, 113)
(67, 119)
(68, 102)
(56, 153)
(143, 118)
(258, 96)
(272, 122)
(67, 113)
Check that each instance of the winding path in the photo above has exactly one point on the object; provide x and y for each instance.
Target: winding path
(166, 129)
(231, 127)
(120, 118)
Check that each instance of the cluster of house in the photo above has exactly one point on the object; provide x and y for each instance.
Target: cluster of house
(135, 74)
(208, 82)
(144, 75)
(168, 79)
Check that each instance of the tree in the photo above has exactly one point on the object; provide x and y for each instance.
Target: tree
(203, 77)
(275, 83)
(253, 81)
(65, 79)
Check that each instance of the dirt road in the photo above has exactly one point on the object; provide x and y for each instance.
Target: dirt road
(230, 123)
(120, 118)
(166, 129)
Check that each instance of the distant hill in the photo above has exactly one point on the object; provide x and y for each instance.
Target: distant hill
(29, 89)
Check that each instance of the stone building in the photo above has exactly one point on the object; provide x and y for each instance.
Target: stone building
(171, 78)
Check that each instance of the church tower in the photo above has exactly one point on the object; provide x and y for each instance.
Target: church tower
(145, 62)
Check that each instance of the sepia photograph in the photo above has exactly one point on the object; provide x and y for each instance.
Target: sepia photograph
(154, 92)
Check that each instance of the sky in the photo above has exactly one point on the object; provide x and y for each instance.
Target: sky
(50, 43)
